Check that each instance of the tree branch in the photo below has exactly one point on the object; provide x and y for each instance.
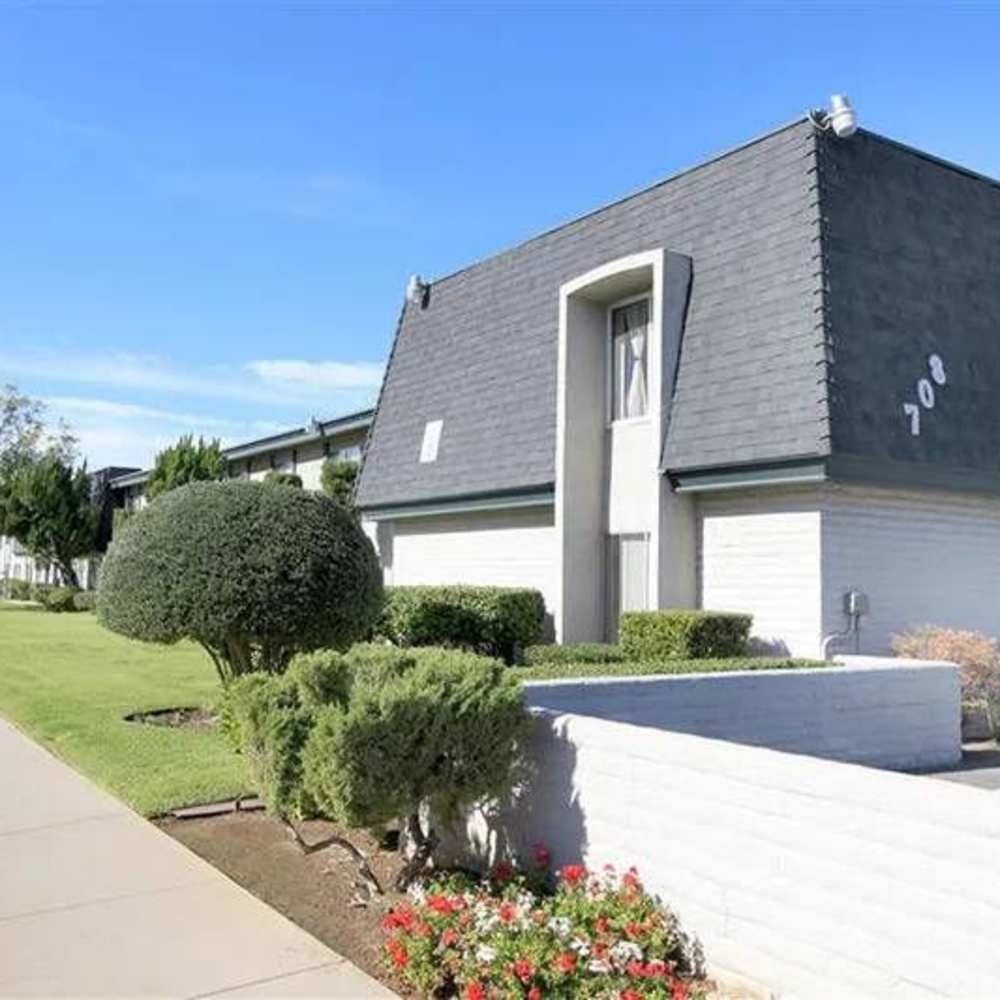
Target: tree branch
(369, 883)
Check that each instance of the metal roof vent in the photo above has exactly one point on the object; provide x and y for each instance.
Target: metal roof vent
(841, 119)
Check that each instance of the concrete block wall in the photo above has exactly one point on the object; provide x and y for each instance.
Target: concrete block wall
(873, 711)
(816, 878)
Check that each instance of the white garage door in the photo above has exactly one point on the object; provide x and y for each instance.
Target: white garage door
(515, 548)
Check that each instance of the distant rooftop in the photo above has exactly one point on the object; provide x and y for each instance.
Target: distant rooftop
(286, 439)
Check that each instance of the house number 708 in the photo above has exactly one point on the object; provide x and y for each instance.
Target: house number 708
(925, 392)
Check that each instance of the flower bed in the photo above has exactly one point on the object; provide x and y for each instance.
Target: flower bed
(534, 935)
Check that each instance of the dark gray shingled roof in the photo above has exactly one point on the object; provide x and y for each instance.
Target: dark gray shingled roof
(824, 273)
(482, 355)
(911, 250)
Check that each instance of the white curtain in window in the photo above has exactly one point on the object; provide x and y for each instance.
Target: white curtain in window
(636, 400)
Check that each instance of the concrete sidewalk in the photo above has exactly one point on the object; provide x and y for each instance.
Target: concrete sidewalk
(95, 901)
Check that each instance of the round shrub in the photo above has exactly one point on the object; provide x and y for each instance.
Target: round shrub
(60, 599)
(85, 600)
(254, 573)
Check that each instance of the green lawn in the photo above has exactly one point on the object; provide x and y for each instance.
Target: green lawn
(67, 683)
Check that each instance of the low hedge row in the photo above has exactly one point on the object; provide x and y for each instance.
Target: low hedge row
(558, 671)
(684, 634)
(494, 621)
(578, 652)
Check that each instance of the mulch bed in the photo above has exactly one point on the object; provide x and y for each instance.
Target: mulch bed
(313, 891)
(192, 718)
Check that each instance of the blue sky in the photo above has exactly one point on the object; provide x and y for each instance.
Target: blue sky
(209, 210)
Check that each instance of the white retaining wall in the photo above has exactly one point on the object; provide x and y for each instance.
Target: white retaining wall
(817, 878)
(876, 712)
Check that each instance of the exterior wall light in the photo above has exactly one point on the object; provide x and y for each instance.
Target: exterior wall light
(841, 119)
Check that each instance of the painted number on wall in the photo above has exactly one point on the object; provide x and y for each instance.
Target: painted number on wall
(926, 395)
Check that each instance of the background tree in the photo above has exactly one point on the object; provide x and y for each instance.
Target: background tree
(337, 478)
(23, 434)
(46, 505)
(252, 572)
(186, 462)
(278, 478)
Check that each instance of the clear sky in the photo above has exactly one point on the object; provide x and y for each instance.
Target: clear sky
(209, 210)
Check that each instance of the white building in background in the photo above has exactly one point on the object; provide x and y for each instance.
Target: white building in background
(763, 385)
(301, 451)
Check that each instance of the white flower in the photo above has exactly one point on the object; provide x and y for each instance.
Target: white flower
(624, 952)
(599, 966)
(417, 893)
(580, 947)
(484, 953)
(561, 926)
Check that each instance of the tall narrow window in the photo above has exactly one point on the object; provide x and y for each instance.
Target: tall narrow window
(629, 335)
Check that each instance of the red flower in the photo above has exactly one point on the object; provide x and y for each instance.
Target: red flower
(534, 993)
(503, 871)
(679, 990)
(449, 937)
(507, 912)
(398, 918)
(634, 930)
(602, 925)
(474, 991)
(524, 970)
(441, 904)
(542, 855)
(630, 995)
(636, 969)
(397, 950)
(600, 950)
(423, 929)
(631, 878)
(572, 874)
(566, 962)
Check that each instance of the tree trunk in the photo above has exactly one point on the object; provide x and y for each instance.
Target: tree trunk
(68, 573)
(423, 849)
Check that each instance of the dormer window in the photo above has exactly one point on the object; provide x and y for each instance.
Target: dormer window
(629, 324)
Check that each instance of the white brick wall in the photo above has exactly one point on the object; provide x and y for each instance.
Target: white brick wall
(817, 878)
(920, 556)
(511, 548)
(760, 552)
(894, 716)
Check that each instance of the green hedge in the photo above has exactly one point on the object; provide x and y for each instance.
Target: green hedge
(495, 621)
(684, 634)
(60, 599)
(580, 652)
(558, 671)
(19, 590)
(85, 600)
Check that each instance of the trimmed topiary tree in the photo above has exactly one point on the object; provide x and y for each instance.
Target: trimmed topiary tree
(378, 735)
(254, 573)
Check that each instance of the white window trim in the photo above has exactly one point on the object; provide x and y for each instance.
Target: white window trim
(609, 361)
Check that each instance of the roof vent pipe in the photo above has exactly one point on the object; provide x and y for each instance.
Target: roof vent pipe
(418, 291)
(841, 119)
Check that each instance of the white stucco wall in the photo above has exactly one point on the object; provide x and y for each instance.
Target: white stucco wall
(887, 714)
(920, 556)
(816, 878)
(760, 552)
(512, 548)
